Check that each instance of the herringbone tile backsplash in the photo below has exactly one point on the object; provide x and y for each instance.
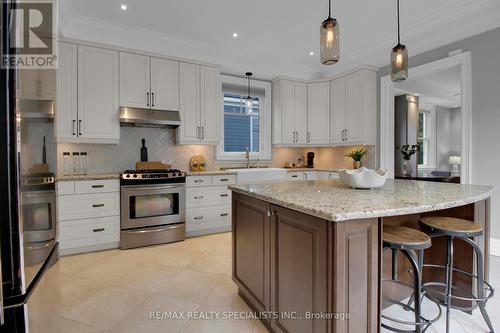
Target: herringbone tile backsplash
(117, 158)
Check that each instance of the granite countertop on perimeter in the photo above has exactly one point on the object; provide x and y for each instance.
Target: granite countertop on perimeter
(88, 177)
(332, 200)
(210, 173)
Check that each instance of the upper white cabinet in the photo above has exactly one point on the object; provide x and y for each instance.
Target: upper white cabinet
(318, 113)
(290, 112)
(149, 82)
(87, 90)
(353, 109)
(200, 104)
(36, 84)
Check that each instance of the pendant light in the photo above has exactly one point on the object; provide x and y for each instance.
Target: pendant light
(399, 57)
(249, 101)
(329, 40)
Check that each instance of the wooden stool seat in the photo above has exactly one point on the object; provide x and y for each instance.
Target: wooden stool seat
(396, 236)
(452, 226)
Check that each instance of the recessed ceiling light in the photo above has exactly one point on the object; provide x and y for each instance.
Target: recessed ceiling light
(123, 6)
(235, 35)
(311, 53)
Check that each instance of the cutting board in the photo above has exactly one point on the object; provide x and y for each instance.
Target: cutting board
(153, 165)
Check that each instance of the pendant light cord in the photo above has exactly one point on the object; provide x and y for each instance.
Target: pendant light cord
(248, 86)
(399, 34)
(329, 8)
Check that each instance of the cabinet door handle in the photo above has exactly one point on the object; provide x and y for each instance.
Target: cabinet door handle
(147, 99)
(224, 214)
(202, 132)
(224, 180)
(294, 176)
(224, 195)
(268, 213)
(73, 127)
(98, 229)
(152, 99)
(199, 197)
(79, 127)
(308, 137)
(198, 135)
(98, 186)
(197, 181)
(198, 217)
(346, 136)
(98, 205)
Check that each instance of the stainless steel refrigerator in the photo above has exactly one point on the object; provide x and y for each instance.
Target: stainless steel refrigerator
(27, 191)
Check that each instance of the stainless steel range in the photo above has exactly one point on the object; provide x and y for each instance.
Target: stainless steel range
(152, 207)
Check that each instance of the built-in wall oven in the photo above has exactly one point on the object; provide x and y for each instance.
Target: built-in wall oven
(152, 207)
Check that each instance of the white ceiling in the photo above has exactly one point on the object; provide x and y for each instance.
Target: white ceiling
(441, 87)
(275, 36)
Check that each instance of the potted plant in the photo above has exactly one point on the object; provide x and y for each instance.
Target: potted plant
(357, 155)
(408, 151)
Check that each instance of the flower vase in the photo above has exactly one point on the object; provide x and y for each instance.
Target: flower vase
(356, 164)
(407, 170)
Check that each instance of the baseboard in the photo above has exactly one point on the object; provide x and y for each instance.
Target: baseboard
(495, 247)
(210, 231)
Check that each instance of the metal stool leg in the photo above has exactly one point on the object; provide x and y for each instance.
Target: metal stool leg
(394, 264)
(417, 283)
(449, 281)
(480, 282)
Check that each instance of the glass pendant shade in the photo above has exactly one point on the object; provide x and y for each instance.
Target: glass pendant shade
(329, 42)
(399, 63)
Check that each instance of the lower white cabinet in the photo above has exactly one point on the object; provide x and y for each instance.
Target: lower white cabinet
(208, 204)
(327, 175)
(88, 215)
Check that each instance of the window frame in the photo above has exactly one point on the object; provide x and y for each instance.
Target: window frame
(262, 89)
(430, 129)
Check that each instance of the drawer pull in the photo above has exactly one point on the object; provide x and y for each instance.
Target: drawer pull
(199, 197)
(294, 176)
(97, 186)
(224, 180)
(224, 214)
(198, 217)
(224, 195)
(197, 181)
(98, 205)
(98, 229)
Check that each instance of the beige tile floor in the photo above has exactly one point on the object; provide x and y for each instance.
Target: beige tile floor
(115, 291)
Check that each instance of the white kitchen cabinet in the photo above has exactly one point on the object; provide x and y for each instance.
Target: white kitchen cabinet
(327, 175)
(66, 113)
(353, 109)
(290, 109)
(302, 175)
(36, 84)
(208, 204)
(149, 82)
(88, 215)
(318, 113)
(135, 80)
(98, 95)
(200, 98)
(87, 95)
(164, 84)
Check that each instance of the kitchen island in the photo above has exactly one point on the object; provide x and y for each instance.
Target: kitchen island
(308, 254)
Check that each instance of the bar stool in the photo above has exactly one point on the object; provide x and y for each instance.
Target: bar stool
(408, 241)
(452, 228)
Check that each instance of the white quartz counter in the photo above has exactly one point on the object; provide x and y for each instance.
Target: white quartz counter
(333, 201)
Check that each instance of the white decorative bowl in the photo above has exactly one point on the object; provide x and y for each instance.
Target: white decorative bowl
(363, 177)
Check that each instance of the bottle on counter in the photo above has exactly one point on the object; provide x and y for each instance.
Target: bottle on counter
(83, 163)
(68, 166)
(76, 163)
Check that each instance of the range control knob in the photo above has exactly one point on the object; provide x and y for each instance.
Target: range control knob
(135, 175)
(127, 175)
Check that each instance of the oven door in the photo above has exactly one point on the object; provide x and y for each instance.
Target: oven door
(38, 216)
(152, 205)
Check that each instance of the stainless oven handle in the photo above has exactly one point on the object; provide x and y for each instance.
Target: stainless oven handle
(152, 230)
(37, 194)
(40, 246)
(153, 187)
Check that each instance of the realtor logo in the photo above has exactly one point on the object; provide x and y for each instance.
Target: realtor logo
(32, 35)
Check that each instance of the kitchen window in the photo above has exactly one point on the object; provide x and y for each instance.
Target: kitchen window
(245, 127)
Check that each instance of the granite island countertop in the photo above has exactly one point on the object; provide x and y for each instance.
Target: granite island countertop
(332, 200)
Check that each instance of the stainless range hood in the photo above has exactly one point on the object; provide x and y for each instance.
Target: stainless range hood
(149, 118)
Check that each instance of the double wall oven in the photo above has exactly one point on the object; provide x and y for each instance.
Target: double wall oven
(152, 207)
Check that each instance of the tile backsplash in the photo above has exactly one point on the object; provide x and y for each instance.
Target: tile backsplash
(161, 147)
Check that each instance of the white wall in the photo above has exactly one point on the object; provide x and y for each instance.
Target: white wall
(448, 136)
(485, 76)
